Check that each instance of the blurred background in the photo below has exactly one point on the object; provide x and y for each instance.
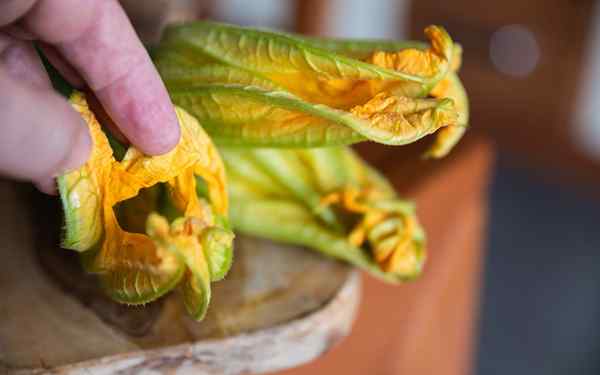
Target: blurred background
(532, 71)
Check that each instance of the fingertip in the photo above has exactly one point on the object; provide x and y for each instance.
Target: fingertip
(151, 113)
(47, 186)
(164, 134)
(140, 106)
(80, 150)
(79, 153)
(43, 136)
(115, 65)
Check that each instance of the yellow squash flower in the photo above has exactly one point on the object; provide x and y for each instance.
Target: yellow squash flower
(137, 267)
(267, 89)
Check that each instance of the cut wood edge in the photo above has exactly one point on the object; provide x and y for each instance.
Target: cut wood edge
(287, 345)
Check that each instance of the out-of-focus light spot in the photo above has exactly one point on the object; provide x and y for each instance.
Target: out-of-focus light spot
(514, 50)
(586, 133)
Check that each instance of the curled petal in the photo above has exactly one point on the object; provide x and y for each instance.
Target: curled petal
(448, 137)
(404, 118)
(430, 63)
(81, 190)
(451, 87)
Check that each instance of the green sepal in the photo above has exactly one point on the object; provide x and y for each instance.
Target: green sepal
(217, 246)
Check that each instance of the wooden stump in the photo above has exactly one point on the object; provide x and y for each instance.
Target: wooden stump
(279, 307)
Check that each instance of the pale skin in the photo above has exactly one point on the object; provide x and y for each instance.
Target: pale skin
(93, 45)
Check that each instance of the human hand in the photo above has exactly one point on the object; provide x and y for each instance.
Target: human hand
(91, 43)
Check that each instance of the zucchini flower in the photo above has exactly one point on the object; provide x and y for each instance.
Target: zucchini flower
(265, 89)
(329, 200)
(147, 224)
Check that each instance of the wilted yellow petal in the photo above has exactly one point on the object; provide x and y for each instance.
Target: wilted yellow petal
(390, 233)
(344, 93)
(451, 87)
(406, 117)
(81, 190)
(426, 63)
(404, 261)
(442, 88)
(457, 52)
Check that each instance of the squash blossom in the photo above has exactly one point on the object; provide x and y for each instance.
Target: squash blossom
(147, 224)
(266, 89)
(327, 199)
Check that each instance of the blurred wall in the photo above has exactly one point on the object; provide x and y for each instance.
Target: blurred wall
(263, 13)
(523, 68)
(340, 18)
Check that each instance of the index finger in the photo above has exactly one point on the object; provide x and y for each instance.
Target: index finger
(96, 37)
